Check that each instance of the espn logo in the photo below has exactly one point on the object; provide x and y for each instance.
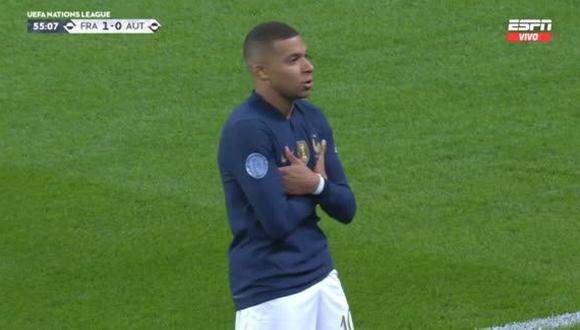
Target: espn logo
(525, 30)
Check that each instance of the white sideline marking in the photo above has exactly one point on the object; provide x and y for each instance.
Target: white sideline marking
(551, 322)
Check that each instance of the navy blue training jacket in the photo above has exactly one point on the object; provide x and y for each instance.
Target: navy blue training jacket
(277, 247)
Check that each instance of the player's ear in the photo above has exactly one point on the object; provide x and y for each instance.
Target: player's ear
(260, 71)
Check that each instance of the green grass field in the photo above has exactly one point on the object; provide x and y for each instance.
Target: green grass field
(463, 151)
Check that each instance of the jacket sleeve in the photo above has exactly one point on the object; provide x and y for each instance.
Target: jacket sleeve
(250, 158)
(336, 199)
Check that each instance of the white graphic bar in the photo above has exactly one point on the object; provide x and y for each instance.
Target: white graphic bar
(112, 26)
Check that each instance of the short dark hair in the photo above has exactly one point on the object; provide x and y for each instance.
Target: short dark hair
(263, 35)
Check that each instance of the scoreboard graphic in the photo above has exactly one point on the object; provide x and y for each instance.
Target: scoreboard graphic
(94, 26)
(88, 23)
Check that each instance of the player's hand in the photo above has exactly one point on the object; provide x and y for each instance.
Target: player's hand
(298, 178)
(320, 167)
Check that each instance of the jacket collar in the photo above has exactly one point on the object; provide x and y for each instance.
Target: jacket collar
(259, 103)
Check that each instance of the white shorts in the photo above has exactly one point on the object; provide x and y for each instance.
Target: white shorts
(320, 307)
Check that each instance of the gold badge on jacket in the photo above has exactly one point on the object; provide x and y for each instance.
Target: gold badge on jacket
(316, 145)
(302, 151)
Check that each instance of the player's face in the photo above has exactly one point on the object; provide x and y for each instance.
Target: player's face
(290, 71)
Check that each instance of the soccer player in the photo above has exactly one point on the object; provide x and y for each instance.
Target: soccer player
(278, 160)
